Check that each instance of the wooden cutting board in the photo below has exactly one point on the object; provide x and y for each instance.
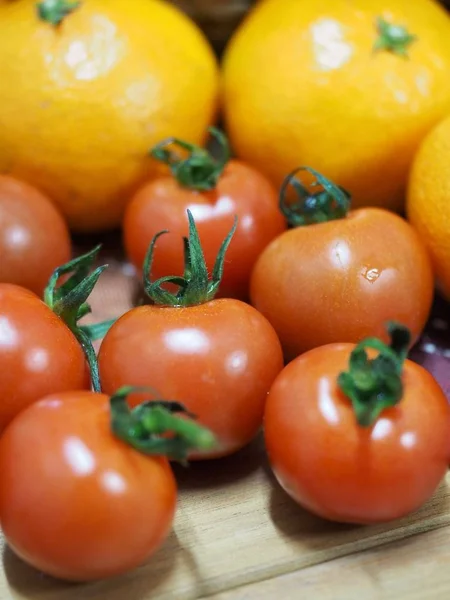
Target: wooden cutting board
(237, 535)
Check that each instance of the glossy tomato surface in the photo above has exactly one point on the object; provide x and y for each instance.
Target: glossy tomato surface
(341, 471)
(39, 355)
(76, 502)
(341, 281)
(162, 204)
(34, 239)
(219, 359)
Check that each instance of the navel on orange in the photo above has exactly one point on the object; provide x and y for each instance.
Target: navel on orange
(88, 89)
(349, 87)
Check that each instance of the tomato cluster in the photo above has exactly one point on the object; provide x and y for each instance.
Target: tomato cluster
(355, 432)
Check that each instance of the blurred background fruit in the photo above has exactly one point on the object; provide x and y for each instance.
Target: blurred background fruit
(428, 204)
(85, 100)
(329, 84)
(34, 238)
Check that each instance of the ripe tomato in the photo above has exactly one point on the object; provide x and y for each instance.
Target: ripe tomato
(341, 280)
(38, 352)
(34, 239)
(236, 189)
(218, 359)
(341, 470)
(75, 501)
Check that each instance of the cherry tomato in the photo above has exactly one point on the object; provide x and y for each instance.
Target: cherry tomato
(39, 355)
(76, 502)
(240, 190)
(218, 359)
(340, 470)
(340, 281)
(34, 239)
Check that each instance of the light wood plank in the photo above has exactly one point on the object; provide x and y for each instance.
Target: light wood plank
(416, 568)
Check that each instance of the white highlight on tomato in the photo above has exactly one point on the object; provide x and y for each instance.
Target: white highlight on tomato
(36, 359)
(326, 404)
(187, 341)
(8, 333)
(381, 429)
(114, 482)
(79, 457)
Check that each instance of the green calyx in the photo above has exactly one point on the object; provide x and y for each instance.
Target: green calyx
(393, 38)
(69, 302)
(195, 286)
(157, 427)
(373, 385)
(54, 11)
(317, 202)
(199, 170)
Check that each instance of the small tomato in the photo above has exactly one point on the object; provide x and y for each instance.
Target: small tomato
(366, 445)
(338, 277)
(217, 357)
(34, 239)
(214, 191)
(42, 348)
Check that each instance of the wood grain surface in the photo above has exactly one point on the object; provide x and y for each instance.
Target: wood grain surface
(237, 535)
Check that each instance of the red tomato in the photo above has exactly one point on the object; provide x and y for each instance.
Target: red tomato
(76, 502)
(218, 359)
(340, 281)
(340, 470)
(34, 239)
(39, 355)
(162, 204)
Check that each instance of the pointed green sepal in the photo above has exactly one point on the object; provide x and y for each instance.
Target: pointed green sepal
(195, 286)
(69, 302)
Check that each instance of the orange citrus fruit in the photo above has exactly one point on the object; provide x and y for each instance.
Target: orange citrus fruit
(87, 88)
(349, 88)
(428, 203)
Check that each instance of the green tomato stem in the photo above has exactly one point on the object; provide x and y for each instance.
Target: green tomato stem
(69, 302)
(157, 427)
(372, 385)
(317, 202)
(199, 170)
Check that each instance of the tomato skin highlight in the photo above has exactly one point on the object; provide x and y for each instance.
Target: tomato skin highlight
(34, 238)
(342, 280)
(76, 502)
(162, 204)
(343, 472)
(219, 359)
(39, 355)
